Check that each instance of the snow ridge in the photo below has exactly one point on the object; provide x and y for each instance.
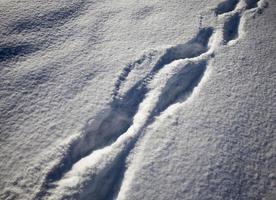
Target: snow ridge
(95, 164)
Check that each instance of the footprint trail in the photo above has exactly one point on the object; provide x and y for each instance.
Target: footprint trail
(119, 117)
(94, 165)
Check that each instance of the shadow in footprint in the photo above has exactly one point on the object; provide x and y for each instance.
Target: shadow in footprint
(231, 28)
(251, 4)
(179, 87)
(226, 6)
(193, 48)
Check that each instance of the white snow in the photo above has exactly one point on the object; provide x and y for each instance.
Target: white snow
(137, 100)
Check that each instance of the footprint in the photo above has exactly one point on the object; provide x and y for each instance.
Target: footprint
(251, 4)
(192, 48)
(179, 86)
(231, 28)
(231, 24)
(195, 47)
(226, 6)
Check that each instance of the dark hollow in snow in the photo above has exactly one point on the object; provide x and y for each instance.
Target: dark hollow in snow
(193, 48)
(226, 6)
(231, 28)
(251, 4)
(179, 86)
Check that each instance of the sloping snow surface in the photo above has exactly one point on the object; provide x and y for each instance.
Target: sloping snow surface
(134, 100)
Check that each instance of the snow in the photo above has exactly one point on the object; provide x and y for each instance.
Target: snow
(137, 100)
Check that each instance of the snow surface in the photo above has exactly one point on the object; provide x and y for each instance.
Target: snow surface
(138, 100)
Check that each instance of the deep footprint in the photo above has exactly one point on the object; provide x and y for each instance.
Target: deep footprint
(179, 86)
(192, 48)
(251, 4)
(231, 28)
(226, 6)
